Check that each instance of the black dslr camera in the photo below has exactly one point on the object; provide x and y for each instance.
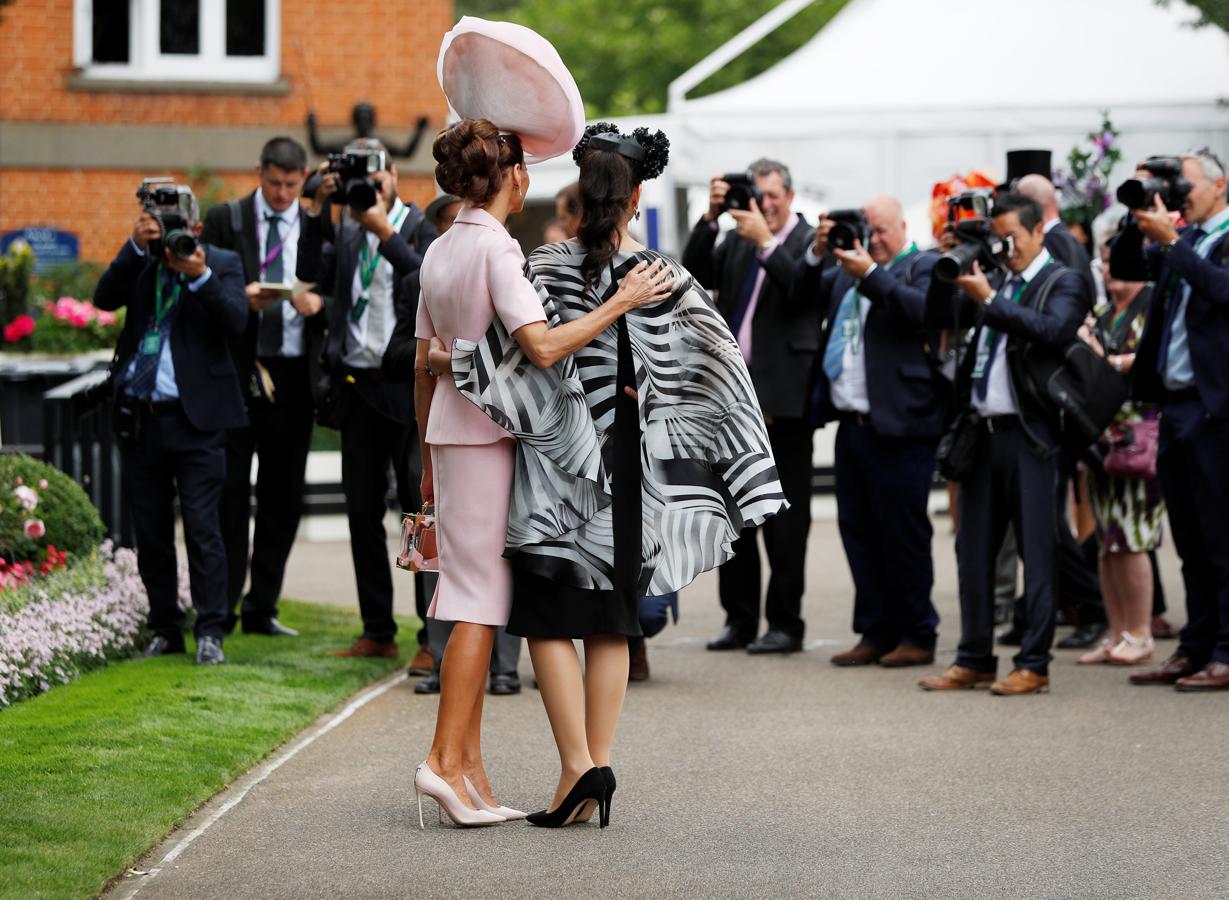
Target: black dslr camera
(171, 205)
(742, 191)
(851, 225)
(978, 242)
(1167, 182)
(354, 169)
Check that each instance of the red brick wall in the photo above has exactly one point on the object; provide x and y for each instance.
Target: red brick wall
(369, 54)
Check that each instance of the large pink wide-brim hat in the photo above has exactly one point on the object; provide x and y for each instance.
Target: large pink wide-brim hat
(514, 77)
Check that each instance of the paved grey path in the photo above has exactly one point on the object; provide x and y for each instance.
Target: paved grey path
(752, 777)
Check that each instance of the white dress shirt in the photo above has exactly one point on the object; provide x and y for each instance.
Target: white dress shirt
(367, 339)
(292, 322)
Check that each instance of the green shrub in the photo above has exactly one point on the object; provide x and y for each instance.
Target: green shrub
(68, 279)
(15, 267)
(70, 520)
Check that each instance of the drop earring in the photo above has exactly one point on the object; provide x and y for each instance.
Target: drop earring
(637, 216)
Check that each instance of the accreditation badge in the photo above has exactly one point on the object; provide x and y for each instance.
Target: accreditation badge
(151, 343)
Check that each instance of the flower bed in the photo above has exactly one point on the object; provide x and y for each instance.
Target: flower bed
(69, 622)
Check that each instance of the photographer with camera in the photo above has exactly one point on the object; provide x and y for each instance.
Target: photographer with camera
(1183, 363)
(752, 271)
(274, 356)
(877, 378)
(1011, 437)
(175, 393)
(369, 274)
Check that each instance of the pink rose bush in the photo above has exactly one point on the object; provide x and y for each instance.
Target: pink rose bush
(66, 325)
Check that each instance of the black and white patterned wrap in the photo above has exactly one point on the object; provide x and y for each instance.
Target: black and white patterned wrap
(707, 468)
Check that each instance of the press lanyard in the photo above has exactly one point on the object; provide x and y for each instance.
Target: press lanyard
(152, 342)
(270, 256)
(983, 352)
(368, 261)
(851, 328)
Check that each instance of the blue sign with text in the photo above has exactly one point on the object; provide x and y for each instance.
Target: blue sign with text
(51, 246)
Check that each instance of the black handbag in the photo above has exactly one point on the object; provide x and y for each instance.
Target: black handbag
(959, 447)
(329, 394)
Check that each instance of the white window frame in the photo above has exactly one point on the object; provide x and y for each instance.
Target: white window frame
(146, 62)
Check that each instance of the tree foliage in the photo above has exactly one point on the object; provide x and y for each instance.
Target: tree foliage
(624, 55)
(1211, 12)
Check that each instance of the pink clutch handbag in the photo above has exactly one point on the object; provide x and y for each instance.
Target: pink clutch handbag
(419, 548)
(1133, 452)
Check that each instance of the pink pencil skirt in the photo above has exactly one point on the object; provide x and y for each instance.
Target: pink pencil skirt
(473, 485)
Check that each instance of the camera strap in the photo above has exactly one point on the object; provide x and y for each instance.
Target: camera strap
(368, 261)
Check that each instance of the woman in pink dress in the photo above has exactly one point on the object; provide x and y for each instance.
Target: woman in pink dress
(470, 276)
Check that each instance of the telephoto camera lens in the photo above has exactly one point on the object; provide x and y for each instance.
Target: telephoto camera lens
(1137, 193)
(361, 194)
(181, 242)
(957, 261)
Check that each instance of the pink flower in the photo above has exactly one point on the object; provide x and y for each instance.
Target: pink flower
(26, 497)
(42, 484)
(106, 318)
(34, 529)
(20, 327)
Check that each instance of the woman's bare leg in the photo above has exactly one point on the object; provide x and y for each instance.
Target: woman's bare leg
(462, 678)
(557, 668)
(606, 664)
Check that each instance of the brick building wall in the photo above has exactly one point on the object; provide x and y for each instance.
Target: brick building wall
(332, 56)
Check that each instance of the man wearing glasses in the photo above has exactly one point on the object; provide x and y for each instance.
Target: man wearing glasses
(1183, 363)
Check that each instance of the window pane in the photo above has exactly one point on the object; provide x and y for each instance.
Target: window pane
(110, 24)
(180, 27)
(245, 28)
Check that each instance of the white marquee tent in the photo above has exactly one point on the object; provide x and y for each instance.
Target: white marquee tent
(894, 95)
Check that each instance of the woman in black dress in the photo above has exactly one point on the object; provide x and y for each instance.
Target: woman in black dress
(640, 458)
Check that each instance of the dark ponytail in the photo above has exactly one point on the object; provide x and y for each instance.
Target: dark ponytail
(606, 186)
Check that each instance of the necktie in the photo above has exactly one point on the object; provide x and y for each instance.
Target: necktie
(744, 297)
(834, 353)
(996, 337)
(1172, 302)
(269, 342)
(145, 374)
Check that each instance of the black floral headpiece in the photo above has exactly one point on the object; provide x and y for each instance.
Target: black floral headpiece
(648, 153)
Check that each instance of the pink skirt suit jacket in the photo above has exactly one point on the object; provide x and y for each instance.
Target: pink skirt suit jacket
(469, 275)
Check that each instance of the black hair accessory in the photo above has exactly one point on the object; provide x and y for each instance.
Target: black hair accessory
(648, 153)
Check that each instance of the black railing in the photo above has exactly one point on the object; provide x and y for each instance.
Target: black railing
(78, 440)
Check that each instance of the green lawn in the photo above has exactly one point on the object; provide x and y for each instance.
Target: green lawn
(96, 772)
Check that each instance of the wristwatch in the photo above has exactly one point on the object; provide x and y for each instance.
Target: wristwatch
(1169, 245)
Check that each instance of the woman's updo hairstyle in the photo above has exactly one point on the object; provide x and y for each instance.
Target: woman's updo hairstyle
(471, 157)
(610, 169)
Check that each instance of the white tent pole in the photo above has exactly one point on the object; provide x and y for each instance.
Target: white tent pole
(745, 39)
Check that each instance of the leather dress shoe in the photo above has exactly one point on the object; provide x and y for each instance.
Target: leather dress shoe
(429, 685)
(729, 639)
(1012, 637)
(907, 655)
(1167, 672)
(638, 666)
(775, 642)
(367, 647)
(1084, 636)
(505, 684)
(861, 655)
(162, 646)
(209, 651)
(270, 626)
(956, 678)
(1019, 682)
(423, 662)
(1213, 677)
(1163, 629)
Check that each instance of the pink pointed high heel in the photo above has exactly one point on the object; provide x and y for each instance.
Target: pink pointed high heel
(506, 813)
(427, 782)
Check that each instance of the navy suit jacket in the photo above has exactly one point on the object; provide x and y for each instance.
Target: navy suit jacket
(204, 370)
(906, 399)
(1207, 324)
(1071, 253)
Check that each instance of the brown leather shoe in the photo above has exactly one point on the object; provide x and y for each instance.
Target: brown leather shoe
(907, 655)
(1021, 681)
(423, 662)
(956, 678)
(1213, 677)
(368, 647)
(1162, 629)
(1167, 672)
(861, 655)
(638, 669)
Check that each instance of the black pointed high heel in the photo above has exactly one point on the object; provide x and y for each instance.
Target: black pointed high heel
(591, 788)
(604, 813)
